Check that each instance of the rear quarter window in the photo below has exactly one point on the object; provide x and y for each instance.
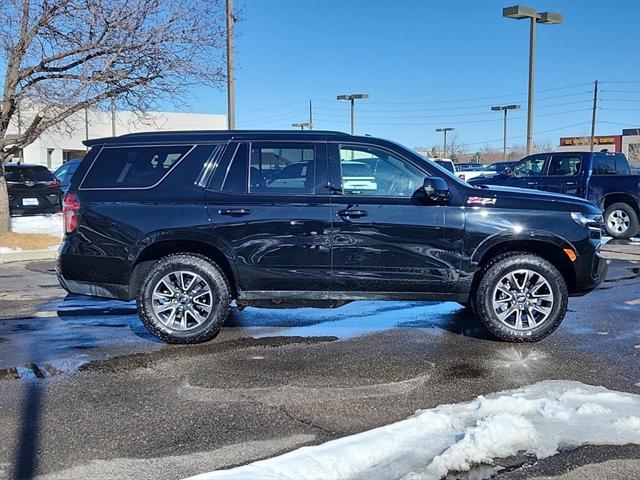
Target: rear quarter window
(133, 167)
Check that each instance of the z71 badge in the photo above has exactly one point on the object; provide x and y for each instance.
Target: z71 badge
(481, 201)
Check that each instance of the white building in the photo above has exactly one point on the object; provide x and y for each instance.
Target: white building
(57, 145)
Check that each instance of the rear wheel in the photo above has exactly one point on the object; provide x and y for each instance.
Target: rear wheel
(521, 297)
(184, 298)
(621, 220)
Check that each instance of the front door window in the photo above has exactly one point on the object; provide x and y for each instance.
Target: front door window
(373, 172)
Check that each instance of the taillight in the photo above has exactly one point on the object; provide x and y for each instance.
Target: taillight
(70, 211)
(52, 184)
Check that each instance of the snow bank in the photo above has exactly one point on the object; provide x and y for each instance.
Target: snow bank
(47, 224)
(538, 419)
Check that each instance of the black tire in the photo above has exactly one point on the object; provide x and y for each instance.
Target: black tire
(632, 229)
(497, 269)
(220, 298)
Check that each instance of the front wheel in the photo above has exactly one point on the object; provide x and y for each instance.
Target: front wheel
(184, 298)
(621, 220)
(521, 297)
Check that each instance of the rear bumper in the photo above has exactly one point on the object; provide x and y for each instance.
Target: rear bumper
(103, 290)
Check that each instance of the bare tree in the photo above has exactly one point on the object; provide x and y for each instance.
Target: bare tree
(61, 56)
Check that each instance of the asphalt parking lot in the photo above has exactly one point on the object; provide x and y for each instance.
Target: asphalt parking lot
(86, 393)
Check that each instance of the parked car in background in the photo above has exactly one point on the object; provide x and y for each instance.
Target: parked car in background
(462, 167)
(602, 177)
(446, 163)
(65, 171)
(491, 169)
(184, 222)
(32, 189)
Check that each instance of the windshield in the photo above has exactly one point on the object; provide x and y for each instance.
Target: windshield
(28, 174)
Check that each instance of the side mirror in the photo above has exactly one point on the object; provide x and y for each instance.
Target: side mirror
(508, 172)
(436, 190)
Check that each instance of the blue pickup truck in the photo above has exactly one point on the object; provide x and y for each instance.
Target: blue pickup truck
(601, 177)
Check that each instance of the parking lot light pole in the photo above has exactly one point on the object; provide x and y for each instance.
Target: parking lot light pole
(518, 12)
(445, 130)
(506, 108)
(352, 98)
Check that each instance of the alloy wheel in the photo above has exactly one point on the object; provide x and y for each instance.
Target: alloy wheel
(182, 300)
(618, 221)
(522, 299)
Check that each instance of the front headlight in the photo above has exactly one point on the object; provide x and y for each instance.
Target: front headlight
(593, 220)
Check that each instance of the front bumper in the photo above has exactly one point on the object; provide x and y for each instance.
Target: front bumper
(591, 272)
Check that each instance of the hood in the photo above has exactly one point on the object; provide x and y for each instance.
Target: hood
(525, 198)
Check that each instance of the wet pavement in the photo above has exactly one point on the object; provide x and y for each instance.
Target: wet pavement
(87, 393)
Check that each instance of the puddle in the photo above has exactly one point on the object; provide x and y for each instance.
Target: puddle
(355, 319)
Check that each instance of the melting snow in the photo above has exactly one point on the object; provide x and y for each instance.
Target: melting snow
(538, 419)
(47, 224)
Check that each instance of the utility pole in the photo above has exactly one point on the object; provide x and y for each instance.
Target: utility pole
(310, 116)
(352, 98)
(86, 125)
(231, 89)
(520, 12)
(593, 113)
(113, 116)
(506, 108)
(445, 130)
(21, 154)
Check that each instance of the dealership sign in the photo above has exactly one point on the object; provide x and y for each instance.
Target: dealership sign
(598, 140)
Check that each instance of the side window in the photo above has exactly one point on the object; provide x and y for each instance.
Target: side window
(604, 165)
(529, 166)
(133, 167)
(564, 165)
(282, 168)
(370, 171)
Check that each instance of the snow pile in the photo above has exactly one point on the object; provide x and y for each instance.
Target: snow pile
(9, 250)
(47, 224)
(539, 419)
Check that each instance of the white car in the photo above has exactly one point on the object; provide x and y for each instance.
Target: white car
(491, 169)
(356, 176)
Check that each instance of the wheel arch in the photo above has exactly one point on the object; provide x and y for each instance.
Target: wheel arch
(550, 247)
(620, 197)
(160, 246)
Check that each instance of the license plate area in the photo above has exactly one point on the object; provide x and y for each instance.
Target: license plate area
(30, 202)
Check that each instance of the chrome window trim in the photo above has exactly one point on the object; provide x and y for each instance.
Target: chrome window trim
(204, 177)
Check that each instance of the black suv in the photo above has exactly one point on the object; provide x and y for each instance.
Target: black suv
(186, 222)
(32, 189)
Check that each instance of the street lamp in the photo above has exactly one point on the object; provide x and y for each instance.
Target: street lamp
(352, 97)
(445, 130)
(302, 125)
(506, 108)
(518, 12)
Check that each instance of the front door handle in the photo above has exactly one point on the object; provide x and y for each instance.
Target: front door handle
(532, 184)
(348, 213)
(234, 212)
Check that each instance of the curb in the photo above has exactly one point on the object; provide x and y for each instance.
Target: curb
(27, 255)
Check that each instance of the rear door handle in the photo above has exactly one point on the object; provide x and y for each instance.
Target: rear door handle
(234, 212)
(532, 184)
(347, 213)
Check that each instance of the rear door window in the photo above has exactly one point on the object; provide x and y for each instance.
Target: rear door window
(564, 165)
(282, 168)
(133, 167)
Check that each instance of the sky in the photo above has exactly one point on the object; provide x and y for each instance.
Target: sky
(428, 64)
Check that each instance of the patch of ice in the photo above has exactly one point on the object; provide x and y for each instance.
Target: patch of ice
(538, 419)
(51, 224)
